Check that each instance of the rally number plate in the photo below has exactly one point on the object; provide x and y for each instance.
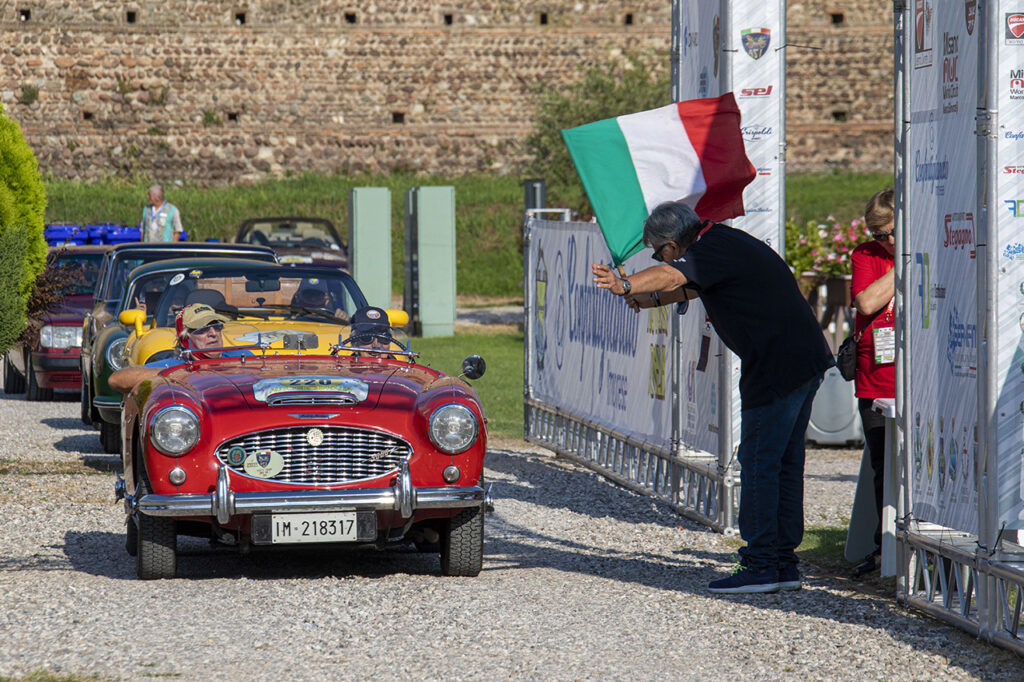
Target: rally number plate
(321, 527)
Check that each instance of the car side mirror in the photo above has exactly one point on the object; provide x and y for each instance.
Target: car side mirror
(133, 318)
(473, 367)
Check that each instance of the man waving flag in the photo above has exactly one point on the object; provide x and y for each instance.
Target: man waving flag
(690, 151)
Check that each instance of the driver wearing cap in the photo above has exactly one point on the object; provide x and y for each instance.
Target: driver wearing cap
(371, 331)
(199, 327)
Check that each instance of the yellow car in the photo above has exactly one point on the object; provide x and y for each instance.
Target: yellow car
(272, 309)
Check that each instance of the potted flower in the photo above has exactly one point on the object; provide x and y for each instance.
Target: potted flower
(819, 253)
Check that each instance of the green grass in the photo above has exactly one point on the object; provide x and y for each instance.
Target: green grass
(843, 195)
(488, 211)
(824, 542)
(488, 215)
(500, 388)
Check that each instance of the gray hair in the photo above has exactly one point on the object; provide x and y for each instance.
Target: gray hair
(157, 189)
(671, 221)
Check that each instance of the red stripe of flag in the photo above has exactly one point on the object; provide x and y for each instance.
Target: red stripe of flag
(713, 126)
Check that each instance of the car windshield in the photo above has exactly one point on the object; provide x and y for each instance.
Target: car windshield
(84, 269)
(119, 273)
(290, 233)
(121, 266)
(281, 294)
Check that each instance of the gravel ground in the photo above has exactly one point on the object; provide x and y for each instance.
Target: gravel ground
(582, 580)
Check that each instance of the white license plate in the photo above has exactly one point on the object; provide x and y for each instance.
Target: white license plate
(323, 527)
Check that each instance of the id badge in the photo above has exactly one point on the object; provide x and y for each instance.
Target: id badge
(885, 345)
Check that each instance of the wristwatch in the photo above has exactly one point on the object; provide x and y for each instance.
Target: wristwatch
(626, 286)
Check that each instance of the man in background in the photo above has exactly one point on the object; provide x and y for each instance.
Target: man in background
(161, 221)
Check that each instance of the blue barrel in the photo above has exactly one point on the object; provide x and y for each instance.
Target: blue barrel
(61, 234)
(122, 234)
(97, 233)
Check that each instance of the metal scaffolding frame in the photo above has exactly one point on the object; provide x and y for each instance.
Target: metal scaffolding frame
(973, 581)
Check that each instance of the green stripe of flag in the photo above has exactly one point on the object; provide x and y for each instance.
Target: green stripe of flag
(606, 168)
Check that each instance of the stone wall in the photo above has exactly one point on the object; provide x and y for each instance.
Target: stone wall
(232, 91)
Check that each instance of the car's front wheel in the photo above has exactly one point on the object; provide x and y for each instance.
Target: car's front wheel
(156, 550)
(13, 382)
(110, 437)
(462, 543)
(86, 402)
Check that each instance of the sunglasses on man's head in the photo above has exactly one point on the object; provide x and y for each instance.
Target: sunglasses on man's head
(882, 236)
(216, 326)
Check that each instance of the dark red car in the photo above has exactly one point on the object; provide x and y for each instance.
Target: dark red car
(53, 360)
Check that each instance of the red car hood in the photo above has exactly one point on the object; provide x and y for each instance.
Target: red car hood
(365, 383)
(70, 312)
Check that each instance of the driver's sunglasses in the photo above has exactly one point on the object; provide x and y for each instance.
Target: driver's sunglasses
(657, 252)
(882, 236)
(368, 339)
(216, 326)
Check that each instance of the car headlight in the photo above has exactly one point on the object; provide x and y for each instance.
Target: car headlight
(453, 428)
(174, 430)
(114, 352)
(53, 336)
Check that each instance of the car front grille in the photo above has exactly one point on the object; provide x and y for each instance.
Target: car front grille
(344, 455)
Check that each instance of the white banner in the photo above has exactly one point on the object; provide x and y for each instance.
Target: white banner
(758, 83)
(1008, 287)
(758, 67)
(698, 37)
(941, 313)
(591, 354)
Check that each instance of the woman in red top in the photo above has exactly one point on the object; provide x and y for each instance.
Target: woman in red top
(873, 290)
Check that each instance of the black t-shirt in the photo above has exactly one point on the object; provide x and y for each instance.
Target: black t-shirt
(755, 306)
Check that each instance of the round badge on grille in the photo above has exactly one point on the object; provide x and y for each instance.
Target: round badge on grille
(236, 455)
(314, 437)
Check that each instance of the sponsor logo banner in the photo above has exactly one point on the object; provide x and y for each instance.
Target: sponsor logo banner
(756, 92)
(1014, 25)
(923, 33)
(755, 41)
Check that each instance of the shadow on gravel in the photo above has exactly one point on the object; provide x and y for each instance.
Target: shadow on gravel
(65, 423)
(104, 463)
(86, 443)
(538, 480)
(103, 554)
(542, 482)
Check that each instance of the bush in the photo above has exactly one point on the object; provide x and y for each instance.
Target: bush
(22, 248)
(618, 87)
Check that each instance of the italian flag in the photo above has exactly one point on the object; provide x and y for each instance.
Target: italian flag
(689, 151)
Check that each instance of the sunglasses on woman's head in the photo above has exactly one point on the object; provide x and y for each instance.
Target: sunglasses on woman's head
(216, 326)
(882, 236)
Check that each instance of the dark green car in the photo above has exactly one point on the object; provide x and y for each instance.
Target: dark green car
(103, 337)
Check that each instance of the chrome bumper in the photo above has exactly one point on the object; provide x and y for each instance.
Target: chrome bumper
(224, 503)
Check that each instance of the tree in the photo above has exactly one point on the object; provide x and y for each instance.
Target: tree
(622, 86)
(22, 247)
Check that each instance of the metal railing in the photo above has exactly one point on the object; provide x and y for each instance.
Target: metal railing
(693, 484)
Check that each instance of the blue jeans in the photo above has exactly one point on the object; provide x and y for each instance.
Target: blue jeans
(771, 455)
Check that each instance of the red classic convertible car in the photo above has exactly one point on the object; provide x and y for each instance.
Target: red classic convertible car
(361, 445)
